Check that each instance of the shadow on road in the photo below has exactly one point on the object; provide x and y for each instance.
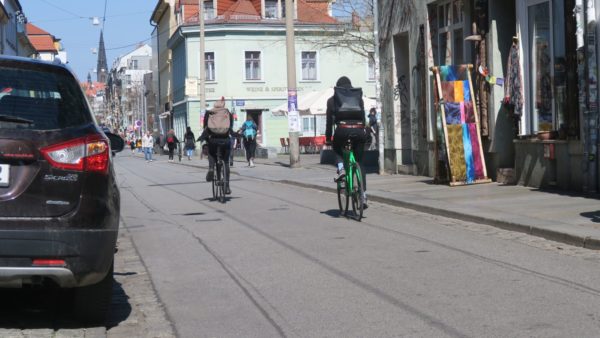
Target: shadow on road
(49, 309)
(335, 213)
(594, 216)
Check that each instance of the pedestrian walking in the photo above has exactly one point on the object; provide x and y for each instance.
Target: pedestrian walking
(138, 145)
(172, 142)
(249, 130)
(373, 128)
(132, 143)
(232, 146)
(148, 146)
(190, 143)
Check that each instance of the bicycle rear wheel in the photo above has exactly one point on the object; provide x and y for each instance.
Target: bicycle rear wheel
(221, 180)
(342, 194)
(357, 194)
(214, 188)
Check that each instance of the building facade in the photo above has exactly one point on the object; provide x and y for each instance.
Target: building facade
(126, 90)
(165, 24)
(13, 34)
(245, 62)
(539, 125)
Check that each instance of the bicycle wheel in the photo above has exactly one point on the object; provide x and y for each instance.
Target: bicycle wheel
(221, 180)
(341, 193)
(357, 194)
(214, 188)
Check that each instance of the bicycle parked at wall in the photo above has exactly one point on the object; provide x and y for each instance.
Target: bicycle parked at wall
(350, 185)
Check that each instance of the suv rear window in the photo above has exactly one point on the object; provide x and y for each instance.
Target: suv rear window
(40, 98)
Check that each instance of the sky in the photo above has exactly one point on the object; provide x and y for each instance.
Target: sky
(127, 23)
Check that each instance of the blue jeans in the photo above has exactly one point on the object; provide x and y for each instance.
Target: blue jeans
(148, 153)
(189, 152)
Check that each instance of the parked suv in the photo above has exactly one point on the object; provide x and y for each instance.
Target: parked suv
(59, 201)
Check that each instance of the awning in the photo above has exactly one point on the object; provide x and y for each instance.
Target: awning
(315, 103)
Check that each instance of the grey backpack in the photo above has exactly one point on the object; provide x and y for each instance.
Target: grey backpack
(219, 121)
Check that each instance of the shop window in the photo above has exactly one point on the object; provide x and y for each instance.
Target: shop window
(545, 65)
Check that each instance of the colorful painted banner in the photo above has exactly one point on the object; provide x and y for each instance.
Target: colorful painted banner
(461, 134)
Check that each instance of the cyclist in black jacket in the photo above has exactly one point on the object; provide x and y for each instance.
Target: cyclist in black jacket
(349, 126)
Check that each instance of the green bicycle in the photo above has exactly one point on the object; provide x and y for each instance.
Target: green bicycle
(350, 185)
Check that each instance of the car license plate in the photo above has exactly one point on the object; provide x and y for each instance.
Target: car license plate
(4, 175)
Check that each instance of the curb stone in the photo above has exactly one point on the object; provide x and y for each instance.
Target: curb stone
(581, 241)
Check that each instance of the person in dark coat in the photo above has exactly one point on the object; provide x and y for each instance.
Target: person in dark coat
(190, 142)
(172, 142)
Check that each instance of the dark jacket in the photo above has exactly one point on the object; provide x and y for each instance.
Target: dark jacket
(330, 114)
(175, 140)
(190, 140)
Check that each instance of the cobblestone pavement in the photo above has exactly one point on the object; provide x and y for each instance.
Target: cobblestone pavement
(135, 309)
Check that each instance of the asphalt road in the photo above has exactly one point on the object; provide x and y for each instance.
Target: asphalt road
(278, 261)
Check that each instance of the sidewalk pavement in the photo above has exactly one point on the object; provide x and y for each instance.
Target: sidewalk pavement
(555, 215)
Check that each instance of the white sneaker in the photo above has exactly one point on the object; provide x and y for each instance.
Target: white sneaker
(251, 164)
(339, 174)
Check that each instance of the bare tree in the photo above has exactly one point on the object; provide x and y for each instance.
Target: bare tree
(355, 28)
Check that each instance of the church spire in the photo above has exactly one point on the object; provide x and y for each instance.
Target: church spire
(102, 66)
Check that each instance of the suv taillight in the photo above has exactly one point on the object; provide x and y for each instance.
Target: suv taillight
(90, 153)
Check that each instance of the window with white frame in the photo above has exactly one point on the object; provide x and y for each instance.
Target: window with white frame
(545, 67)
(271, 11)
(209, 64)
(371, 66)
(252, 65)
(448, 18)
(209, 10)
(309, 66)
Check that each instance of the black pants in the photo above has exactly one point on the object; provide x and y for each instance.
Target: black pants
(214, 146)
(171, 147)
(250, 146)
(358, 137)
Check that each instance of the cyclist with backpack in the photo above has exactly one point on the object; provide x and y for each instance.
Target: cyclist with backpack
(346, 110)
(172, 142)
(248, 131)
(218, 124)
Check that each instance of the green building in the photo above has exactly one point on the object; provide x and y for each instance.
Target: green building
(245, 62)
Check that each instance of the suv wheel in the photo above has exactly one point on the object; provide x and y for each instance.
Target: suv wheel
(91, 303)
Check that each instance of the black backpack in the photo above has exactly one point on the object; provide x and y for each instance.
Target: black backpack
(348, 104)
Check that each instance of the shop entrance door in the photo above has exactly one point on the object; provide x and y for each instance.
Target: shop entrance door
(256, 115)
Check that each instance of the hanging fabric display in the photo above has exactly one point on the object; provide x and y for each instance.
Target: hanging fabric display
(459, 130)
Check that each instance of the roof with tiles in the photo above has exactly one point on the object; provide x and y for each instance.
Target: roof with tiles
(41, 40)
(35, 30)
(246, 11)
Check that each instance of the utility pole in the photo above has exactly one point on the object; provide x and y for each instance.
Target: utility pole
(293, 119)
(380, 129)
(201, 57)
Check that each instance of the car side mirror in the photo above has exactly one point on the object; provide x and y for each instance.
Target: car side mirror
(116, 142)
